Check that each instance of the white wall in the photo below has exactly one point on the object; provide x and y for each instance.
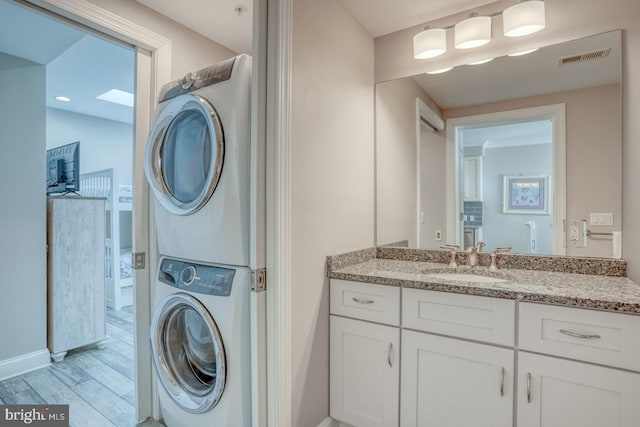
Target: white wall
(432, 172)
(396, 151)
(103, 143)
(22, 208)
(190, 51)
(331, 180)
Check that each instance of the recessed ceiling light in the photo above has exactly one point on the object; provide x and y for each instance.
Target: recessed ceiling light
(63, 99)
(482, 61)
(117, 97)
(524, 52)
(440, 71)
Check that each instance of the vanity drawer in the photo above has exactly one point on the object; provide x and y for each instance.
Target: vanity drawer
(366, 301)
(472, 317)
(593, 336)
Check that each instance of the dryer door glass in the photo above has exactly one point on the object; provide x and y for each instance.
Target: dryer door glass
(185, 154)
(188, 353)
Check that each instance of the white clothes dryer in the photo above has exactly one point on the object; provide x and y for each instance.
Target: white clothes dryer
(197, 162)
(200, 339)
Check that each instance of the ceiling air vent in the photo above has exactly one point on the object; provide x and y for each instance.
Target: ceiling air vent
(602, 53)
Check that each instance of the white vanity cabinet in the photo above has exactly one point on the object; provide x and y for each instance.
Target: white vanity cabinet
(450, 381)
(468, 360)
(558, 392)
(364, 356)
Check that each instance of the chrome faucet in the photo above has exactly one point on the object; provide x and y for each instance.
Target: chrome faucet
(473, 254)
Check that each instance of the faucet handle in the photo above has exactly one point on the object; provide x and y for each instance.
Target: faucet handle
(500, 249)
(454, 251)
(494, 256)
(479, 246)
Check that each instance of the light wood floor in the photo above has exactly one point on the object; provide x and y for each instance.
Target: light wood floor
(97, 384)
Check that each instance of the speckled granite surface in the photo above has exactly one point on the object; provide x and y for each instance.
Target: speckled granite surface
(598, 292)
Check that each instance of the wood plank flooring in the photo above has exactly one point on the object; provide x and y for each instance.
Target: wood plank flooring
(97, 384)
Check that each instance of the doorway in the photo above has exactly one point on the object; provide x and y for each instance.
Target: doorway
(509, 179)
(123, 317)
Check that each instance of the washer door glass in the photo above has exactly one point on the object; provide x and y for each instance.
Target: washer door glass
(188, 353)
(185, 154)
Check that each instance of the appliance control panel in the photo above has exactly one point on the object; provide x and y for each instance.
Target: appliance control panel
(192, 81)
(198, 278)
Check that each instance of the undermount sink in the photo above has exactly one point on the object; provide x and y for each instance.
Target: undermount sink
(466, 277)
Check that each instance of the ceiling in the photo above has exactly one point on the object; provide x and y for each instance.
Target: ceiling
(79, 66)
(380, 17)
(217, 20)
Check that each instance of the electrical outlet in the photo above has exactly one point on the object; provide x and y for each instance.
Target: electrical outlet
(576, 233)
(438, 234)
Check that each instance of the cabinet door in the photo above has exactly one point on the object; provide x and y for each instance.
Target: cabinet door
(454, 383)
(561, 393)
(472, 181)
(364, 373)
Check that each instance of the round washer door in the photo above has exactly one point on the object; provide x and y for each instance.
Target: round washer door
(188, 353)
(185, 154)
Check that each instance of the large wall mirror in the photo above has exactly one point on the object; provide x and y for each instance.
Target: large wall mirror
(522, 151)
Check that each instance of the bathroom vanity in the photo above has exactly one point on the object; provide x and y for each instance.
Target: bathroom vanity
(553, 346)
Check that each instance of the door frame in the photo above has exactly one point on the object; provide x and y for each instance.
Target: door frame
(153, 69)
(554, 112)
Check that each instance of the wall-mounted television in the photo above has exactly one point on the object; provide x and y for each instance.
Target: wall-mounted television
(63, 169)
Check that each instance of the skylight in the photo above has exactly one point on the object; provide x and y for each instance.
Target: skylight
(117, 97)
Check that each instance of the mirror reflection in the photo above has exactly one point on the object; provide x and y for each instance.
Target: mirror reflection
(519, 151)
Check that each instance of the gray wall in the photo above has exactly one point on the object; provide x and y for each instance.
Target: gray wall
(103, 143)
(507, 229)
(22, 208)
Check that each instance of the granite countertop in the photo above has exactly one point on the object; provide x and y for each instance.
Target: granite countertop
(592, 291)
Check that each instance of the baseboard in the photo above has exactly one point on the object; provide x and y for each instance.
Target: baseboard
(330, 422)
(24, 363)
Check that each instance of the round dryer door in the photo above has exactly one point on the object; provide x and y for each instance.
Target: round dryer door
(188, 353)
(185, 154)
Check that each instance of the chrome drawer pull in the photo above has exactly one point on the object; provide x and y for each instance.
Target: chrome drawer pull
(528, 387)
(578, 335)
(362, 301)
(389, 354)
(501, 382)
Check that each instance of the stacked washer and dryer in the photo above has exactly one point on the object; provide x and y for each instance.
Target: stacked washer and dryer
(198, 164)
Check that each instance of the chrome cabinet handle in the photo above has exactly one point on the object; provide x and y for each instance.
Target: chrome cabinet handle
(529, 387)
(389, 354)
(362, 301)
(501, 382)
(579, 335)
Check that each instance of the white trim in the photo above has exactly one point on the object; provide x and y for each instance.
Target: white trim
(147, 88)
(278, 213)
(24, 363)
(557, 114)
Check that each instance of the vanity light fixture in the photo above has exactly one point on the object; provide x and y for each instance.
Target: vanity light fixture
(473, 32)
(524, 18)
(63, 99)
(440, 71)
(429, 43)
(524, 52)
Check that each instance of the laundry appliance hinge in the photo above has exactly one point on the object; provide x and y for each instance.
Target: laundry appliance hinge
(259, 280)
(138, 259)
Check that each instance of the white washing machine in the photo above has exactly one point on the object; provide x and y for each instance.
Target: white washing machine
(200, 339)
(197, 162)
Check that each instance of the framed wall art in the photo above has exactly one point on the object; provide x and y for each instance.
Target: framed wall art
(526, 194)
